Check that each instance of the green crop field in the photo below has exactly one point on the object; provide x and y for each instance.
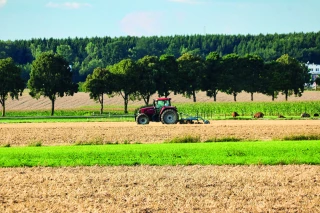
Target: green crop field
(227, 153)
(214, 110)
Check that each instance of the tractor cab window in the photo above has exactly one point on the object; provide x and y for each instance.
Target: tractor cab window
(161, 103)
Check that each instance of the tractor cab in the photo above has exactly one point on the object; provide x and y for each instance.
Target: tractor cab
(161, 102)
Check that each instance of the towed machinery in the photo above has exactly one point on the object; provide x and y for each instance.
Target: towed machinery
(162, 111)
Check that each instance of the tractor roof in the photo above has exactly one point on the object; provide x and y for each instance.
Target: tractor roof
(163, 99)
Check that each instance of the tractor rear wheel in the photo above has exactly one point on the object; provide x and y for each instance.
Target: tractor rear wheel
(142, 119)
(169, 116)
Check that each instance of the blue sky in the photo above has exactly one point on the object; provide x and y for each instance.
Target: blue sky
(26, 19)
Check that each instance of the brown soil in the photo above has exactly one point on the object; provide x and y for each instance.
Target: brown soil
(161, 189)
(81, 99)
(69, 133)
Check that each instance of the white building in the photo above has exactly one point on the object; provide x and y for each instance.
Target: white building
(314, 70)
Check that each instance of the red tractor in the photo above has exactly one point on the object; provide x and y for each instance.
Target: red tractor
(160, 111)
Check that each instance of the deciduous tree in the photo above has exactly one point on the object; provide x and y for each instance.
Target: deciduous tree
(51, 77)
(100, 82)
(211, 79)
(126, 80)
(147, 68)
(65, 51)
(232, 78)
(271, 79)
(293, 76)
(190, 71)
(167, 74)
(11, 82)
(252, 68)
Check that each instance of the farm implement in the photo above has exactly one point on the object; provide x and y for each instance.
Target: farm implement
(162, 111)
(187, 119)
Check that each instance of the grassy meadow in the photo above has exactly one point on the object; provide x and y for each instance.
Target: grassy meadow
(223, 153)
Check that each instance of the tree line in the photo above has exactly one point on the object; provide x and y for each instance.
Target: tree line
(85, 54)
(137, 68)
(51, 77)
(190, 73)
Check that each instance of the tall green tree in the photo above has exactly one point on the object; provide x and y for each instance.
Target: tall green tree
(173, 49)
(147, 46)
(126, 80)
(37, 50)
(232, 77)
(51, 77)
(88, 65)
(3, 49)
(293, 76)
(147, 67)
(92, 50)
(11, 82)
(92, 61)
(166, 75)
(252, 68)
(100, 82)
(270, 83)
(65, 51)
(211, 79)
(114, 52)
(190, 71)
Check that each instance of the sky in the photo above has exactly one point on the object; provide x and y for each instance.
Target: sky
(26, 19)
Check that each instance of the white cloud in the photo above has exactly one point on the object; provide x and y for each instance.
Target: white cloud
(67, 5)
(2, 2)
(142, 23)
(188, 1)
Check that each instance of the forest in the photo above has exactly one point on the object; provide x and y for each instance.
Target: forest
(85, 54)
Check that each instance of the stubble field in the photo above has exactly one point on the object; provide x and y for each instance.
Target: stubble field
(123, 132)
(161, 189)
(290, 188)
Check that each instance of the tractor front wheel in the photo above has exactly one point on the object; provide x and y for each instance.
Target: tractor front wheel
(169, 116)
(142, 119)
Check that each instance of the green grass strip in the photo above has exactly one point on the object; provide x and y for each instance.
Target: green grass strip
(56, 119)
(231, 153)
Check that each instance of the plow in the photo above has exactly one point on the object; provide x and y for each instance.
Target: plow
(162, 111)
(187, 119)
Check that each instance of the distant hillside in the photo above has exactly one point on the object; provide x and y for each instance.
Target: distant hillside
(84, 54)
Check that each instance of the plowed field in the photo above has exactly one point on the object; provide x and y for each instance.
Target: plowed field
(69, 133)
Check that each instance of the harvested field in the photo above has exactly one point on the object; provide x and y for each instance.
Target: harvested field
(161, 189)
(69, 133)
